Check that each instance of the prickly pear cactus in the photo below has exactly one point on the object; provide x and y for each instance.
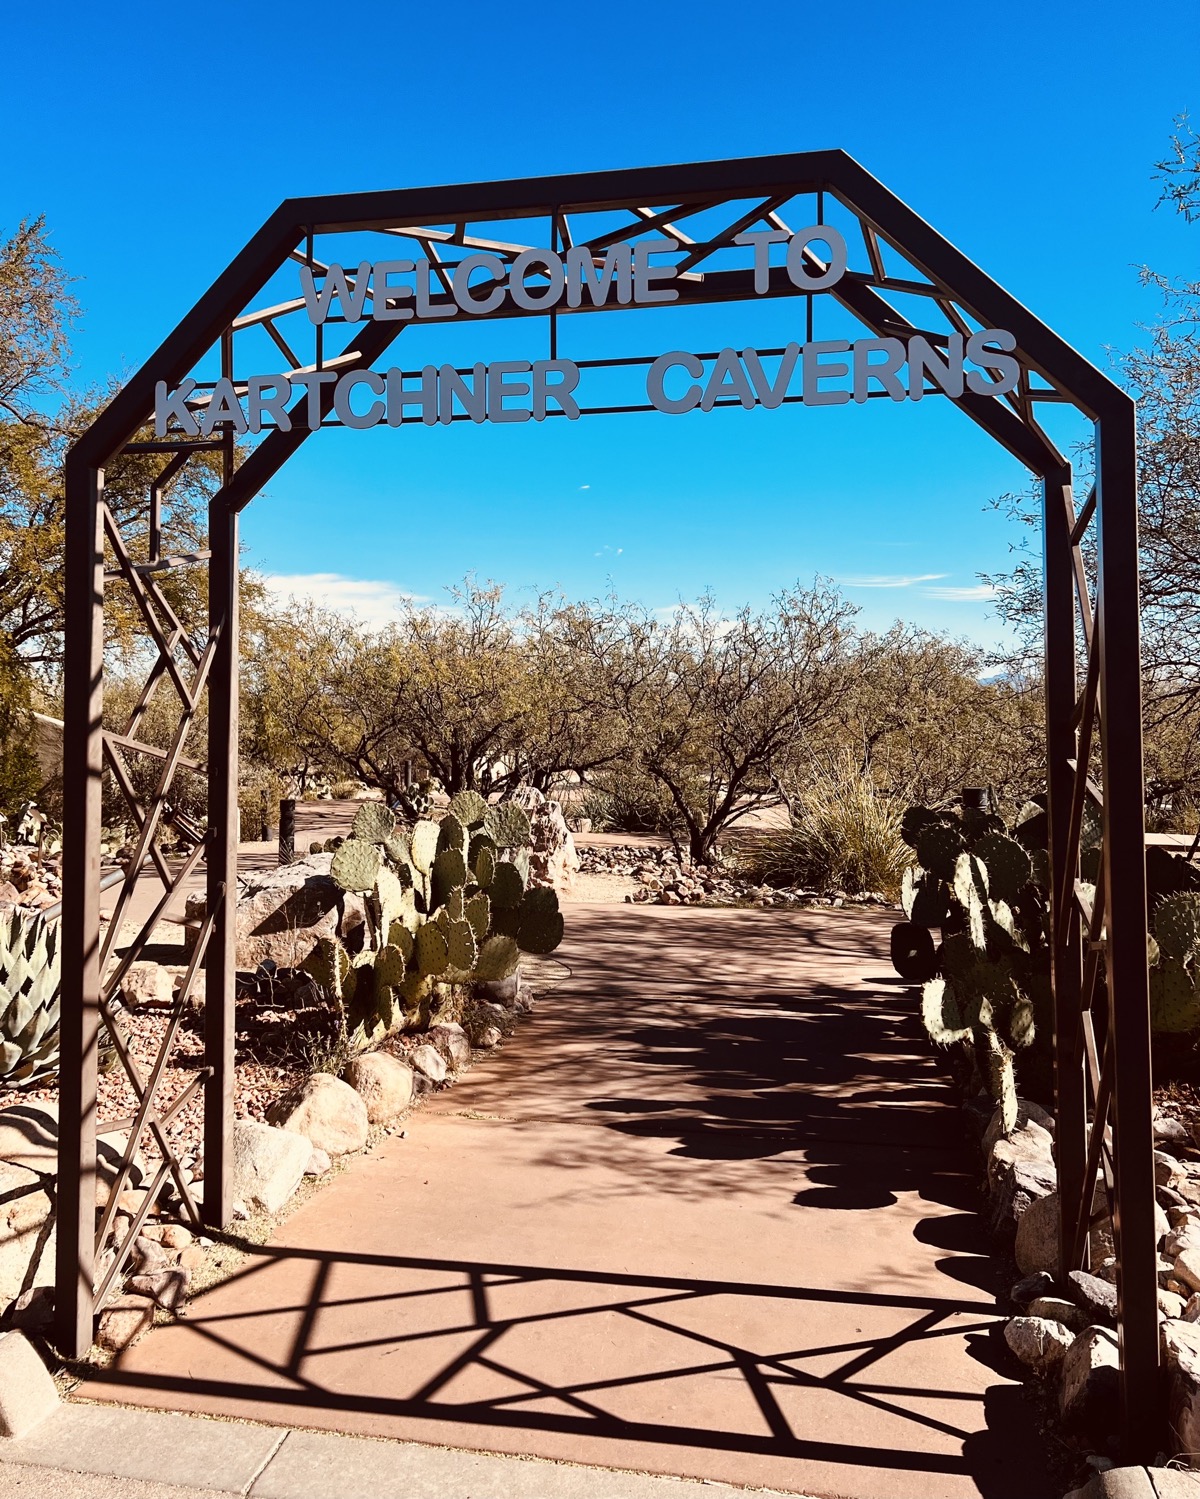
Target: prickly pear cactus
(539, 922)
(460, 946)
(424, 845)
(390, 966)
(469, 808)
(507, 825)
(507, 888)
(942, 1014)
(1174, 1001)
(1007, 864)
(433, 951)
(1177, 926)
(498, 959)
(925, 898)
(355, 866)
(373, 823)
(938, 848)
(453, 835)
(915, 821)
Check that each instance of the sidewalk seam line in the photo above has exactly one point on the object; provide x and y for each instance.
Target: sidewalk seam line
(265, 1464)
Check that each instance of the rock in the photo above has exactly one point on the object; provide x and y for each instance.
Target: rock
(1181, 1356)
(175, 1236)
(429, 1062)
(1096, 1297)
(1020, 1172)
(384, 1083)
(1187, 1265)
(328, 1111)
(1170, 1305)
(503, 991)
(27, 1390)
(1027, 1112)
(1059, 1309)
(318, 1163)
(33, 1308)
(1037, 1237)
(1033, 1286)
(490, 1036)
(146, 1256)
(1088, 1396)
(193, 1257)
(267, 1164)
(149, 985)
(166, 1288)
(1167, 1169)
(283, 913)
(1170, 1131)
(1038, 1342)
(553, 859)
(123, 1321)
(451, 1040)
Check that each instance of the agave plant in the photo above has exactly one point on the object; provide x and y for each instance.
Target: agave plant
(29, 994)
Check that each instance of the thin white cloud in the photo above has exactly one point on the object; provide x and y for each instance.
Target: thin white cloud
(373, 601)
(973, 594)
(891, 580)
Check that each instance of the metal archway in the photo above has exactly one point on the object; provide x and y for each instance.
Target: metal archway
(1103, 697)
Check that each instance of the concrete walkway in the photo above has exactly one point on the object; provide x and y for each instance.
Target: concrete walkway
(709, 1214)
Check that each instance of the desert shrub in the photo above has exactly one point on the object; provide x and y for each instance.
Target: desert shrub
(627, 801)
(845, 835)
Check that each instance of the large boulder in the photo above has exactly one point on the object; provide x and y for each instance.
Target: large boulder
(1181, 1351)
(28, 1176)
(282, 914)
(326, 1110)
(1088, 1395)
(1020, 1170)
(1027, 1112)
(1039, 1342)
(383, 1082)
(268, 1164)
(553, 859)
(451, 1040)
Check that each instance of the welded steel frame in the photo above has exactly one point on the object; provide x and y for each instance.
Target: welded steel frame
(1103, 1096)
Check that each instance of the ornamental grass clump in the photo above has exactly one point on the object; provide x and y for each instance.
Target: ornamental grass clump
(845, 835)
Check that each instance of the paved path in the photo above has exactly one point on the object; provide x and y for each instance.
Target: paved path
(708, 1214)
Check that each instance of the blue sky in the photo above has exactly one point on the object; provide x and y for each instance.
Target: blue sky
(157, 139)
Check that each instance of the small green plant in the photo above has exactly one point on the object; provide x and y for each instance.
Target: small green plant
(447, 903)
(30, 980)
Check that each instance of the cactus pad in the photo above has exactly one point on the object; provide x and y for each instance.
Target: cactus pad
(498, 959)
(970, 879)
(938, 848)
(389, 966)
(433, 951)
(449, 872)
(483, 863)
(1021, 1026)
(1008, 865)
(539, 922)
(373, 823)
(460, 945)
(400, 936)
(355, 866)
(941, 1013)
(1177, 926)
(915, 821)
(424, 845)
(507, 825)
(469, 807)
(931, 901)
(456, 904)
(1174, 1002)
(1002, 1083)
(507, 888)
(398, 849)
(452, 834)
(478, 911)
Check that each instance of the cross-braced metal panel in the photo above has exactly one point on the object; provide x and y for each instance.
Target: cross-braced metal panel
(902, 281)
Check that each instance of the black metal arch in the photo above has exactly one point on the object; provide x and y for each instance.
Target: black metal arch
(1114, 1088)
